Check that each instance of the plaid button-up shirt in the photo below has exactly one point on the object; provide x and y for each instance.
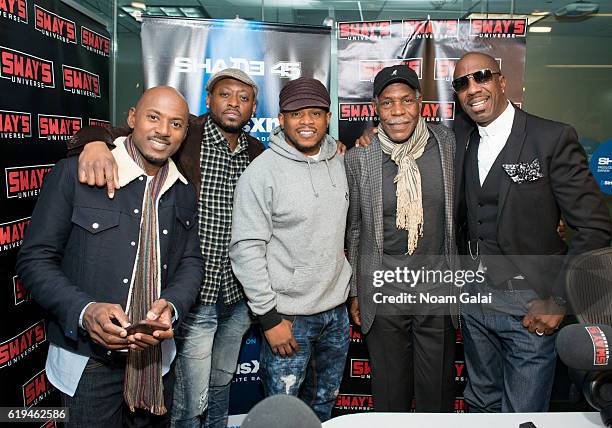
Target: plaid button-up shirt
(220, 170)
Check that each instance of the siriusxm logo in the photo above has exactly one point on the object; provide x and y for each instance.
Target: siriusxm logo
(251, 367)
(262, 124)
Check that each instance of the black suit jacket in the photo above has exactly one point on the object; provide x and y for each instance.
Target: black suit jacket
(529, 212)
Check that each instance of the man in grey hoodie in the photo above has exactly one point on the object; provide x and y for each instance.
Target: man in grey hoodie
(287, 249)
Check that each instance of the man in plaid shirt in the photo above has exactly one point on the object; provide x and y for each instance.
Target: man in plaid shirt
(209, 339)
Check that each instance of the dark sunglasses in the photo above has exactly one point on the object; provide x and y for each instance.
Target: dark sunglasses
(480, 77)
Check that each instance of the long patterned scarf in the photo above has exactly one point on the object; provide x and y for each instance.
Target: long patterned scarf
(143, 387)
(409, 215)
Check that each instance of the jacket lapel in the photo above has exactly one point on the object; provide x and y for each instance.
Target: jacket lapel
(511, 154)
(373, 180)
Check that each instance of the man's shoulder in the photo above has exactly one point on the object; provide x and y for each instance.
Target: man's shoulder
(541, 124)
(355, 154)
(442, 133)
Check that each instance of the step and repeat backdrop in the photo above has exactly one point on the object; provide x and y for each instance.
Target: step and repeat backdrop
(54, 80)
(54, 65)
(431, 48)
(273, 54)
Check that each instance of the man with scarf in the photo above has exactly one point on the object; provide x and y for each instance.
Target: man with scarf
(99, 265)
(400, 219)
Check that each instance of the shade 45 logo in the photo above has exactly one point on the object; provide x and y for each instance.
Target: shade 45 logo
(355, 334)
(361, 403)
(58, 128)
(95, 42)
(19, 291)
(368, 69)
(357, 112)
(36, 389)
(54, 26)
(17, 348)
(26, 69)
(360, 368)
(81, 82)
(439, 29)
(15, 10)
(15, 124)
(437, 111)
(25, 181)
(364, 30)
(498, 28)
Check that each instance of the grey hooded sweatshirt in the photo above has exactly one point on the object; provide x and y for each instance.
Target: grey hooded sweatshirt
(289, 217)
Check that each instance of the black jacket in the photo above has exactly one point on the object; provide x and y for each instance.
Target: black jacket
(78, 249)
(529, 212)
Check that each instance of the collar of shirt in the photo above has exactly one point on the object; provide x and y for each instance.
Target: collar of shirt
(216, 138)
(130, 171)
(500, 126)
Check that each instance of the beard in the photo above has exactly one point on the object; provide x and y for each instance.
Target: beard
(301, 148)
(227, 127)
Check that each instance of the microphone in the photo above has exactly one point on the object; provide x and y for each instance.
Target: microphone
(585, 349)
(281, 411)
(585, 346)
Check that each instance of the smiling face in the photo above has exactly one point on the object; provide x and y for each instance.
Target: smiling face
(231, 104)
(398, 108)
(159, 125)
(305, 128)
(483, 102)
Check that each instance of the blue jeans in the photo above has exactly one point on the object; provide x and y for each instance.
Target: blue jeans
(98, 400)
(509, 368)
(315, 372)
(208, 343)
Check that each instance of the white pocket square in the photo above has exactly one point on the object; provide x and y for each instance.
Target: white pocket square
(523, 171)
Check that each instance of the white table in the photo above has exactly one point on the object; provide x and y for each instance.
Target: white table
(465, 420)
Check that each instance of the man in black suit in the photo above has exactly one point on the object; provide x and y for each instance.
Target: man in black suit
(516, 174)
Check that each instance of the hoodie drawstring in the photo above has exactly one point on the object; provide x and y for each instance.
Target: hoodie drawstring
(311, 180)
(329, 172)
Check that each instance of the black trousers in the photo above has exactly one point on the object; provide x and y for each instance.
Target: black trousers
(412, 356)
(98, 400)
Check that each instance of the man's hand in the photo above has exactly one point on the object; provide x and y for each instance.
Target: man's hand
(340, 147)
(364, 138)
(97, 320)
(354, 310)
(281, 339)
(160, 311)
(544, 316)
(561, 229)
(97, 167)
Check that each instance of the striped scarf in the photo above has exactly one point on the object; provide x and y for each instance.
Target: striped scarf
(143, 387)
(409, 215)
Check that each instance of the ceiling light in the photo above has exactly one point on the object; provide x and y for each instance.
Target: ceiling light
(540, 29)
(138, 5)
(540, 13)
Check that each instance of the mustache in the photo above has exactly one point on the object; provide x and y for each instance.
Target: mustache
(159, 138)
